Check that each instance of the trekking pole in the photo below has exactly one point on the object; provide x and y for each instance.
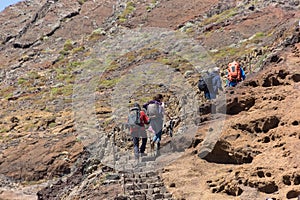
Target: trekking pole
(114, 152)
(171, 127)
(184, 102)
(123, 176)
(133, 190)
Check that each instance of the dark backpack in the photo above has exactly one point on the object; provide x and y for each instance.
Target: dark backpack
(134, 117)
(202, 84)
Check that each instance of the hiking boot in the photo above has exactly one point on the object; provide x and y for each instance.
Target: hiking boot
(143, 154)
(158, 153)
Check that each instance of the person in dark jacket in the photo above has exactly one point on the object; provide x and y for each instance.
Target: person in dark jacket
(216, 83)
(203, 84)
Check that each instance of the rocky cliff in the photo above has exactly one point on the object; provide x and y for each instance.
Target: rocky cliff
(71, 68)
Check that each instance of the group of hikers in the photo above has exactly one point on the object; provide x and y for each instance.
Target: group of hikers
(210, 81)
(151, 114)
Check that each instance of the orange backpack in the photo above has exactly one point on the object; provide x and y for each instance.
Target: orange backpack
(234, 72)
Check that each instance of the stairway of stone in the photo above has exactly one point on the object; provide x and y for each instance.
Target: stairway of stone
(140, 177)
(143, 186)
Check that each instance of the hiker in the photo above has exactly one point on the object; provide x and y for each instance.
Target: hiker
(235, 74)
(137, 119)
(155, 110)
(202, 84)
(216, 83)
(210, 83)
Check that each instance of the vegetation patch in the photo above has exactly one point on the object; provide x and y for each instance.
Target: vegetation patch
(68, 45)
(96, 34)
(130, 7)
(254, 39)
(108, 83)
(4, 130)
(81, 2)
(6, 92)
(33, 75)
(21, 81)
(65, 90)
(78, 49)
(152, 5)
(220, 17)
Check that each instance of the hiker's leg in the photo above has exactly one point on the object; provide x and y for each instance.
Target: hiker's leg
(158, 145)
(143, 146)
(159, 138)
(154, 138)
(155, 127)
(213, 95)
(207, 95)
(136, 146)
(232, 84)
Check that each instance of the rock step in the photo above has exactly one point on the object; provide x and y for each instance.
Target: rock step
(144, 185)
(129, 163)
(144, 197)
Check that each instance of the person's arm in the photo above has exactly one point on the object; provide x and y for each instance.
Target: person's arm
(145, 118)
(220, 83)
(145, 105)
(164, 111)
(216, 83)
(227, 82)
(243, 75)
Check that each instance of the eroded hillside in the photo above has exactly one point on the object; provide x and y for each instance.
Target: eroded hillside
(59, 102)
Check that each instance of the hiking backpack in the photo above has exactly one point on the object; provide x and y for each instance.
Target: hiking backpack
(202, 85)
(234, 72)
(153, 110)
(134, 117)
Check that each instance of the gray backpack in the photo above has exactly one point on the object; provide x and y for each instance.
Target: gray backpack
(134, 117)
(153, 111)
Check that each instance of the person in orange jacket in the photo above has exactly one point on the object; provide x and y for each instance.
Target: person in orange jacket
(235, 74)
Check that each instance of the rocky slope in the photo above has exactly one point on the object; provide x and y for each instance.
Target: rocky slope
(70, 67)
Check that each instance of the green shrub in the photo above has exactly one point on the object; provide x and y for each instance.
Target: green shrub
(78, 49)
(65, 90)
(81, 2)
(33, 75)
(21, 81)
(109, 83)
(221, 17)
(68, 45)
(52, 125)
(130, 7)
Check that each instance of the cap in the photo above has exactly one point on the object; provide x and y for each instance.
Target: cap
(136, 105)
(204, 71)
(216, 69)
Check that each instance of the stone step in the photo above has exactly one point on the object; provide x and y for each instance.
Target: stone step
(148, 158)
(150, 197)
(146, 180)
(139, 197)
